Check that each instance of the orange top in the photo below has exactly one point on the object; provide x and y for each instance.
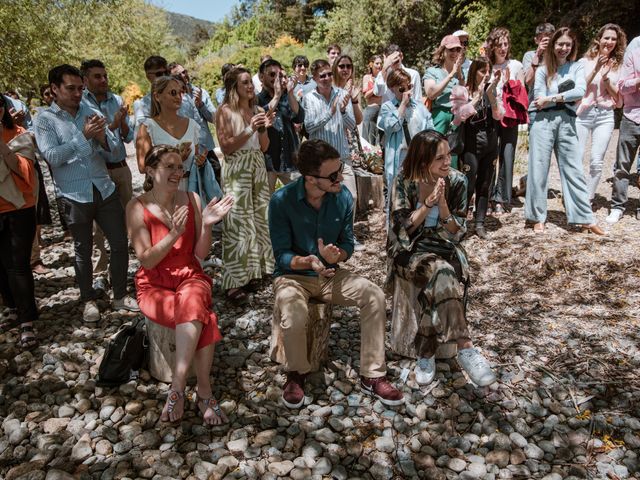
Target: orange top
(25, 179)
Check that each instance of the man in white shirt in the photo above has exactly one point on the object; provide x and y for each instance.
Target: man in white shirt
(392, 61)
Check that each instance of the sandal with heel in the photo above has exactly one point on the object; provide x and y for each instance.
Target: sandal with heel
(28, 339)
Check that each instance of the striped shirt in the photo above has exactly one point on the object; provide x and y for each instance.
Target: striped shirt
(109, 108)
(76, 163)
(320, 124)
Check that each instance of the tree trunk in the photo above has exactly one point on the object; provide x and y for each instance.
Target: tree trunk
(370, 191)
(162, 352)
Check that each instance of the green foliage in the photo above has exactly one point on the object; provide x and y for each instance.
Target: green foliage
(42, 34)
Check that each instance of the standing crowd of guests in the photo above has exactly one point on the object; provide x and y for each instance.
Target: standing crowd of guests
(449, 139)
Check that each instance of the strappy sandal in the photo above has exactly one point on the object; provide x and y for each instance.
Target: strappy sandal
(9, 322)
(173, 398)
(28, 339)
(205, 404)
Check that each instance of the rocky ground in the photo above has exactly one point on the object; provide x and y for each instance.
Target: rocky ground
(556, 314)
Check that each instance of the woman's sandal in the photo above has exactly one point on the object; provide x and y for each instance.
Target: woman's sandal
(27, 338)
(9, 322)
(206, 404)
(237, 296)
(173, 398)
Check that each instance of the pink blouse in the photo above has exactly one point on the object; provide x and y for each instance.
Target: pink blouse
(597, 93)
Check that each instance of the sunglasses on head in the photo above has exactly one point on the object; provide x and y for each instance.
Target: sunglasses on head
(332, 177)
(345, 66)
(325, 75)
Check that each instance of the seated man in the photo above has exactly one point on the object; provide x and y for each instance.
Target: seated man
(311, 226)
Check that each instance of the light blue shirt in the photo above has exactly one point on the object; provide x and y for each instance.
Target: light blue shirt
(573, 71)
(302, 88)
(108, 108)
(206, 115)
(220, 95)
(320, 124)
(76, 163)
(395, 146)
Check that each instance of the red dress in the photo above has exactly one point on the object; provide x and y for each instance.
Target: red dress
(177, 290)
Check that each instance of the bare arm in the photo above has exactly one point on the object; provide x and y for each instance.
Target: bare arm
(228, 142)
(143, 145)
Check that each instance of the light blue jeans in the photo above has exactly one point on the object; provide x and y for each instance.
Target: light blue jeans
(555, 131)
(599, 122)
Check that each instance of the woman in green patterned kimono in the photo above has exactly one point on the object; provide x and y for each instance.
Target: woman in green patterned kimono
(242, 134)
(428, 212)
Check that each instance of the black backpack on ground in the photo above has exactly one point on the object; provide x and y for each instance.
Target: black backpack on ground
(125, 355)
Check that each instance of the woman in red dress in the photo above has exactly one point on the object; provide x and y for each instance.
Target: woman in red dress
(170, 233)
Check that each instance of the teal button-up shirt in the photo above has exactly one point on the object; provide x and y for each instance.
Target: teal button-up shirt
(295, 226)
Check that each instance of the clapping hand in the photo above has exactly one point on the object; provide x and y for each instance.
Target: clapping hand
(200, 157)
(179, 220)
(216, 210)
(94, 127)
(258, 121)
(197, 96)
(184, 149)
(269, 117)
(330, 252)
(17, 116)
(344, 101)
(318, 267)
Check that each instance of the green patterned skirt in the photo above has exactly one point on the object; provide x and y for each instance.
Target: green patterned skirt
(246, 245)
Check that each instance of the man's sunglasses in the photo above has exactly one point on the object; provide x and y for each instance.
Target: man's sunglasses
(326, 75)
(345, 66)
(300, 65)
(332, 177)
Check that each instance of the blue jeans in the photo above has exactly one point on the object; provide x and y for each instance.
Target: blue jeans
(555, 131)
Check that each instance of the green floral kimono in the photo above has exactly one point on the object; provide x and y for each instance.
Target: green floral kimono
(433, 259)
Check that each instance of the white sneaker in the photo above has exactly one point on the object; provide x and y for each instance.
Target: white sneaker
(126, 303)
(614, 216)
(91, 314)
(425, 370)
(358, 247)
(476, 366)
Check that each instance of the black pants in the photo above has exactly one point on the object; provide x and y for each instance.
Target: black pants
(508, 140)
(17, 231)
(109, 215)
(480, 152)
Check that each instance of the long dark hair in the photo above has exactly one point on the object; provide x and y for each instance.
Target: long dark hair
(477, 64)
(152, 159)
(422, 151)
(550, 59)
(6, 120)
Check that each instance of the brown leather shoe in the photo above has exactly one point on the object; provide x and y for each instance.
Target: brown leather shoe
(593, 228)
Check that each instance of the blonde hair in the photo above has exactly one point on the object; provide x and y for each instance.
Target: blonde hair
(158, 86)
(231, 96)
(438, 56)
(621, 44)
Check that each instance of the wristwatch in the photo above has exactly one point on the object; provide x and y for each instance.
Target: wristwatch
(447, 220)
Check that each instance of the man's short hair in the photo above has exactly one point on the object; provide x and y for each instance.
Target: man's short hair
(300, 60)
(154, 61)
(545, 28)
(318, 64)
(86, 65)
(269, 63)
(264, 58)
(392, 48)
(56, 73)
(312, 154)
(334, 46)
(398, 77)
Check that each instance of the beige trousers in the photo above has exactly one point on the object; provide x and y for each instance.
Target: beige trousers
(285, 178)
(292, 294)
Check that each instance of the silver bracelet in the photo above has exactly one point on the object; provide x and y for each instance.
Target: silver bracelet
(248, 130)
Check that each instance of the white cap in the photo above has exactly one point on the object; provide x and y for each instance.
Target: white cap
(460, 33)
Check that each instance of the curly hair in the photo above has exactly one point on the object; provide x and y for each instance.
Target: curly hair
(492, 42)
(621, 44)
(438, 56)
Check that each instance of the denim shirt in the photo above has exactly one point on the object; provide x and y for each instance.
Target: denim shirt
(206, 114)
(76, 163)
(108, 108)
(295, 226)
(390, 123)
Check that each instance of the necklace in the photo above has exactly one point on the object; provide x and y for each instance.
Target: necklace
(164, 210)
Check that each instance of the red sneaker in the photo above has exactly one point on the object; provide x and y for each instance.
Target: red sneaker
(293, 393)
(382, 389)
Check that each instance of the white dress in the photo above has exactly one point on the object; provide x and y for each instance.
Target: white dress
(159, 136)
